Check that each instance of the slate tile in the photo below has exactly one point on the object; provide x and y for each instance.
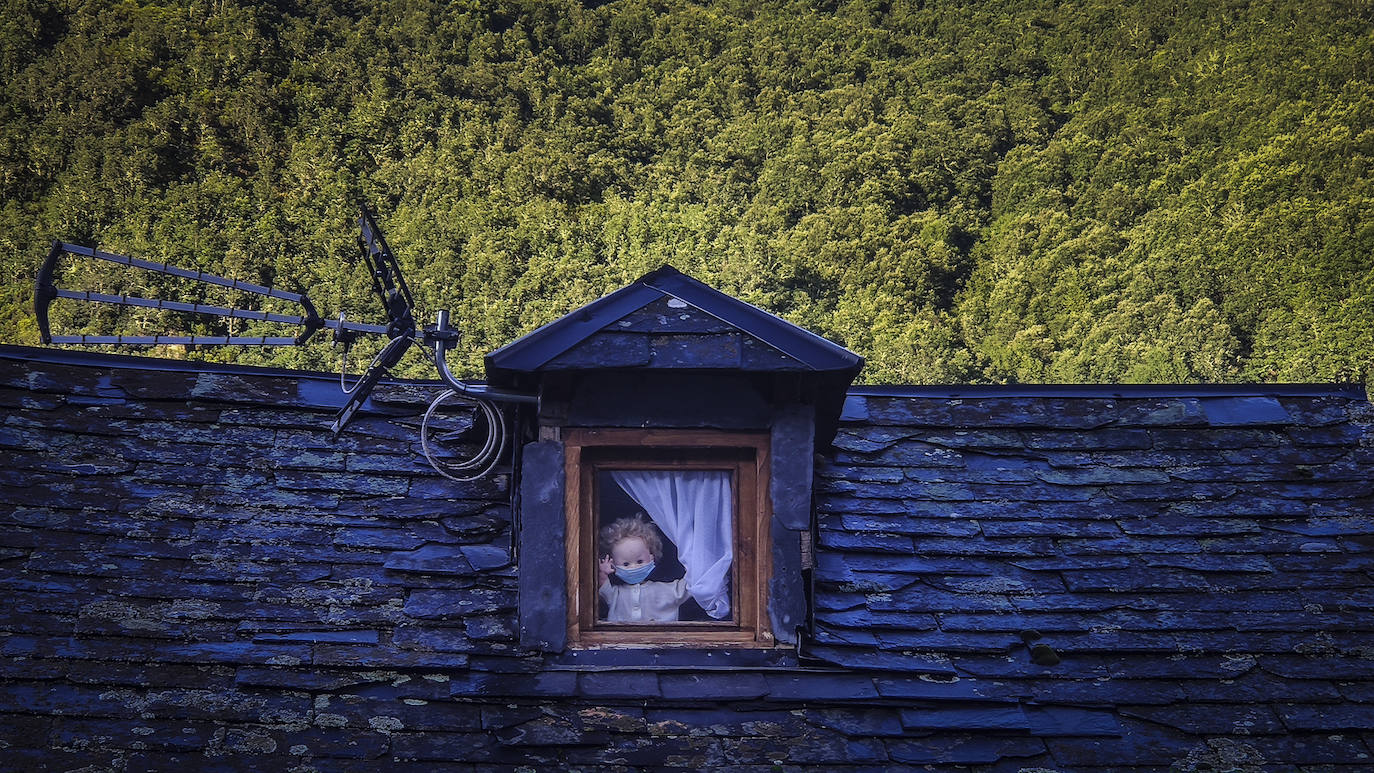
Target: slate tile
(856, 439)
(862, 658)
(1317, 411)
(381, 705)
(494, 487)
(982, 439)
(1278, 544)
(979, 749)
(844, 636)
(1325, 718)
(1164, 412)
(1047, 528)
(54, 758)
(1358, 692)
(1129, 580)
(855, 523)
(605, 350)
(1178, 490)
(292, 678)
(1255, 473)
(1245, 505)
(819, 686)
(874, 542)
(334, 636)
(708, 719)
(944, 687)
(485, 557)
(1072, 721)
(489, 628)
(1001, 546)
(267, 497)
(619, 684)
(1175, 525)
(85, 563)
(412, 463)
(1294, 666)
(1294, 455)
(815, 752)
(1211, 718)
(549, 731)
(1142, 744)
(446, 604)
(431, 559)
(1218, 439)
(1081, 603)
(718, 350)
(386, 539)
(712, 685)
(1318, 526)
(1305, 750)
(336, 743)
(1347, 435)
(1093, 476)
(659, 316)
(1014, 622)
(914, 453)
(350, 441)
(1208, 563)
(877, 474)
(1078, 413)
(859, 722)
(351, 656)
(122, 734)
(847, 504)
(1257, 688)
(1101, 439)
(430, 637)
(968, 594)
(1243, 411)
(478, 685)
(1128, 546)
(351, 483)
(443, 747)
(274, 417)
(1100, 691)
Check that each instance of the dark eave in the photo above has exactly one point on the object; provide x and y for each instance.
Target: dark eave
(955, 391)
(85, 358)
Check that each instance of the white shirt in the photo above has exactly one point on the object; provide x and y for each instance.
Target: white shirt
(647, 602)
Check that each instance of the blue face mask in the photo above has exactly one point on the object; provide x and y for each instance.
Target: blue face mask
(635, 576)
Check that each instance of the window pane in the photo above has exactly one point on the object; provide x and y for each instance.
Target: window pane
(666, 545)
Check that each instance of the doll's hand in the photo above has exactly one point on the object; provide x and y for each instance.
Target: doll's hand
(606, 567)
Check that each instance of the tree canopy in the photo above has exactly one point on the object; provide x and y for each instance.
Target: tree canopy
(1024, 191)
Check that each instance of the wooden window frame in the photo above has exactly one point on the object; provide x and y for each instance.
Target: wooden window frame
(587, 451)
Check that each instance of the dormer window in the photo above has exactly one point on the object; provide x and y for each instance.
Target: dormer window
(675, 431)
(664, 533)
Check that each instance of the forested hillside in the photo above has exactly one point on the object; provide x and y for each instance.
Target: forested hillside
(959, 191)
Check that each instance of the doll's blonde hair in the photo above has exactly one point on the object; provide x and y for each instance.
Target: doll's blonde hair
(632, 528)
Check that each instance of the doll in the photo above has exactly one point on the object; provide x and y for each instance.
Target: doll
(629, 549)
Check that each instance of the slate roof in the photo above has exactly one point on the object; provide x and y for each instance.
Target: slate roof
(1194, 566)
(194, 575)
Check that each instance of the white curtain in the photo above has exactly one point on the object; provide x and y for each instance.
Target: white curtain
(693, 508)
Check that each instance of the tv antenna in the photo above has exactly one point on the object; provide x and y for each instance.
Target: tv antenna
(388, 284)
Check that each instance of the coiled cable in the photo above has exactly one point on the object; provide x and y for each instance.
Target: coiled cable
(484, 460)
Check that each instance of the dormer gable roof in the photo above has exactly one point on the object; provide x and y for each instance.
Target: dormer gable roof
(667, 308)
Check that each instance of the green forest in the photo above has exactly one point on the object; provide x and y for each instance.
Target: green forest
(961, 192)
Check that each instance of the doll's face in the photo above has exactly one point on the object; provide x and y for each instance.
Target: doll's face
(630, 553)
